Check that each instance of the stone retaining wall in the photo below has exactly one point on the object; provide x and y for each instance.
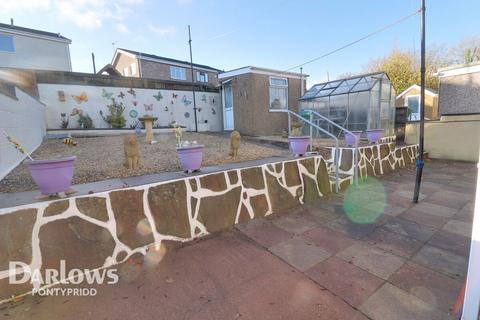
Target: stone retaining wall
(103, 229)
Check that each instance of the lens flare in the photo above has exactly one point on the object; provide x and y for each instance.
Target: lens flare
(143, 227)
(365, 203)
(154, 255)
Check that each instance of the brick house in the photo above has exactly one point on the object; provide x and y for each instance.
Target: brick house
(143, 65)
(410, 98)
(250, 92)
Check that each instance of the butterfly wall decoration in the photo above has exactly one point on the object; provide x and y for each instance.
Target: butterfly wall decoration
(132, 92)
(174, 95)
(158, 96)
(199, 109)
(135, 103)
(171, 102)
(80, 98)
(121, 95)
(185, 101)
(106, 94)
(148, 107)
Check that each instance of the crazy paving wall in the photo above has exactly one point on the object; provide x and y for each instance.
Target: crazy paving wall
(103, 229)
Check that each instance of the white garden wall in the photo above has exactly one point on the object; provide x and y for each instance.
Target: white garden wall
(167, 105)
(23, 118)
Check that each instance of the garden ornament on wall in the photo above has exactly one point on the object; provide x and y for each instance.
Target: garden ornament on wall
(80, 98)
(158, 96)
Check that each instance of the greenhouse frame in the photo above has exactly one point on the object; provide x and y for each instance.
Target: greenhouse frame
(359, 103)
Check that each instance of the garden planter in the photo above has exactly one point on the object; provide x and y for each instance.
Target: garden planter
(299, 145)
(350, 138)
(52, 176)
(374, 135)
(191, 157)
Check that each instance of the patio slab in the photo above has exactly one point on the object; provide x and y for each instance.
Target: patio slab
(458, 227)
(329, 240)
(267, 234)
(452, 242)
(428, 285)
(394, 243)
(392, 303)
(376, 261)
(410, 229)
(296, 224)
(443, 261)
(299, 253)
(344, 279)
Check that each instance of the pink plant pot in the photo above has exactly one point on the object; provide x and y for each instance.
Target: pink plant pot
(350, 139)
(374, 135)
(52, 176)
(191, 157)
(299, 145)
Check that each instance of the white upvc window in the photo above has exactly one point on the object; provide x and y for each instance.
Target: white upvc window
(6, 43)
(126, 72)
(278, 93)
(412, 102)
(178, 73)
(202, 76)
(133, 68)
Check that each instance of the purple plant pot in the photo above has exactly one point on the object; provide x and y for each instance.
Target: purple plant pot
(374, 135)
(191, 157)
(350, 139)
(52, 176)
(299, 145)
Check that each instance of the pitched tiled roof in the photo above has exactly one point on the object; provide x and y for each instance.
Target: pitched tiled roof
(152, 56)
(34, 31)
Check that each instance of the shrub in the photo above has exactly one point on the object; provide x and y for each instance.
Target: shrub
(115, 118)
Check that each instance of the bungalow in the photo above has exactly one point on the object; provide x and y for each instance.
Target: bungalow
(410, 98)
(144, 65)
(250, 92)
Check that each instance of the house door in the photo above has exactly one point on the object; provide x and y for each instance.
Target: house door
(227, 107)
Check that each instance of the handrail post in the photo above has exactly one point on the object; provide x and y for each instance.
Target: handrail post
(311, 132)
(289, 123)
(337, 187)
(355, 172)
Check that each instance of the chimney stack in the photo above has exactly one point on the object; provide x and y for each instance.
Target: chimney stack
(11, 21)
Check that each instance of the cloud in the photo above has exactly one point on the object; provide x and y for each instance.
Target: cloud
(162, 31)
(120, 27)
(87, 14)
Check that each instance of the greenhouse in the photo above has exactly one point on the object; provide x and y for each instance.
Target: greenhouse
(358, 103)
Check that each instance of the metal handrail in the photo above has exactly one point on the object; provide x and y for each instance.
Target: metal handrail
(312, 125)
(355, 157)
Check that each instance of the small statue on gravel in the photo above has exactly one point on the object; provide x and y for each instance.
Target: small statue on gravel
(234, 144)
(130, 146)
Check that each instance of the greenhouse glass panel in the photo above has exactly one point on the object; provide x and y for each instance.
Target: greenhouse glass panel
(357, 103)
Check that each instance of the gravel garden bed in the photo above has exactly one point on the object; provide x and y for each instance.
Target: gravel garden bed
(100, 158)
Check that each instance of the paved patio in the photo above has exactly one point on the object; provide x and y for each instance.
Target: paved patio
(409, 262)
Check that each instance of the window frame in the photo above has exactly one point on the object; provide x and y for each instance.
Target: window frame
(199, 74)
(405, 104)
(173, 73)
(277, 86)
(13, 43)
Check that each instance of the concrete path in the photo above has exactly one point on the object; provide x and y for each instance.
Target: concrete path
(366, 254)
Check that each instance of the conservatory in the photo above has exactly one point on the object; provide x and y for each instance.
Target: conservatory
(358, 103)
